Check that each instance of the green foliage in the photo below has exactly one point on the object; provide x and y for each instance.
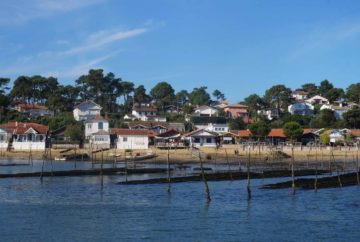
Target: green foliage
(175, 117)
(207, 120)
(325, 139)
(140, 95)
(352, 118)
(181, 98)
(326, 89)
(199, 96)
(293, 131)
(236, 124)
(353, 92)
(278, 97)
(163, 94)
(188, 109)
(255, 103)
(310, 88)
(259, 129)
(324, 119)
(59, 120)
(74, 132)
(218, 95)
(303, 120)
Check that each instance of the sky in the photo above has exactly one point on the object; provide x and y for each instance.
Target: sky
(238, 47)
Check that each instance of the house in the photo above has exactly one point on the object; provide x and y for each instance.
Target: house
(335, 136)
(145, 112)
(339, 108)
(5, 136)
(317, 99)
(131, 139)
(33, 110)
(205, 111)
(172, 109)
(213, 124)
(228, 138)
(156, 127)
(203, 138)
(270, 114)
(355, 133)
(310, 136)
(170, 138)
(301, 108)
(97, 132)
(86, 110)
(26, 136)
(243, 135)
(276, 136)
(299, 95)
(236, 110)
(221, 104)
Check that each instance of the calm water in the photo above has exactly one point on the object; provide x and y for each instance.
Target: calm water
(76, 209)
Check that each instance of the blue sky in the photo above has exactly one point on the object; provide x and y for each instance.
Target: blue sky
(239, 47)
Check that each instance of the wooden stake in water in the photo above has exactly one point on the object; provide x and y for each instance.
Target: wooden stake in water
(126, 178)
(337, 170)
(316, 179)
(207, 192)
(292, 170)
(248, 175)
(357, 168)
(75, 157)
(168, 170)
(229, 168)
(101, 169)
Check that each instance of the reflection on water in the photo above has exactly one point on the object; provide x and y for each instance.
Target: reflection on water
(77, 209)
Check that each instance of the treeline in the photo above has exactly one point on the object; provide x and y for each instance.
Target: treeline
(117, 97)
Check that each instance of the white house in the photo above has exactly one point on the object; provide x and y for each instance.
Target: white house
(97, 132)
(301, 108)
(335, 135)
(33, 110)
(339, 108)
(4, 138)
(270, 114)
(26, 136)
(145, 112)
(299, 95)
(86, 110)
(131, 139)
(203, 138)
(219, 128)
(317, 99)
(205, 111)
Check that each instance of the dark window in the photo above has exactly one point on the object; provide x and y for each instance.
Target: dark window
(197, 140)
(101, 125)
(208, 140)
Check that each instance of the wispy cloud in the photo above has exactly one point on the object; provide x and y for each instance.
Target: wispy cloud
(325, 38)
(23, 10)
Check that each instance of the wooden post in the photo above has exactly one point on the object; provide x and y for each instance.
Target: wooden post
(101, 169)
(292, 170)
(316, 179)
(337, 170)
(125, 165)
(229, 168)
(42, 168)
(115, 159)
(248, 175)
(357, 167)
(168, 170)
(207, 191)
(75, 157)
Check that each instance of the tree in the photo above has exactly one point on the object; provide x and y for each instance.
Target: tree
(4, 100)
(218, 95)
(74, 132)
(236, 124)
(22, 89)
(352, 118)
(199, 96)
(163, 94)
(140, 95)
(254, 102)
(259, 129)
(293, 131)
(278, 97)
(325, 87)
(325, 118)
(335, 94)
(353, 92)
(310, 88)
(181, 98)
(325, 139)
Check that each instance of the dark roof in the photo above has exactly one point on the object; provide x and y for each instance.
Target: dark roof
(134, 132)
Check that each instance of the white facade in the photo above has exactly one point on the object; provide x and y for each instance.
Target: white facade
(100, 139)
(301, 108)
(29, 145)
(218, 128)
(95, 125)
(136, 142)
(30, 140)
(317, 99)
(338, 111)
(202, 138)
(86, 110)
(4, 139)
(206, 111)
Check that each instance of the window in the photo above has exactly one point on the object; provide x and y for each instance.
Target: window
(197, 140)
(101, 125)
(89, 126)
(208, 140)
(125, 139)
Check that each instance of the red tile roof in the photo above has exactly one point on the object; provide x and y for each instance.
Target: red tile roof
(130, 132)
(355, 132)
(244, 133)
(24, 106)
(21, 128)
(276, 133)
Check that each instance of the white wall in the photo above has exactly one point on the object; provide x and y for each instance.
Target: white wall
(28, 145)
(93, 127)
(85, 114)
(133, 142)
(203, 142)
(3, 145)
(207, 112)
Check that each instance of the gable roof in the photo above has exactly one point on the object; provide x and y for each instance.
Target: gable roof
(147, 124)
(25, 106)
(276, 133)
(21, 128)
(200, 130)
(87, 102)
